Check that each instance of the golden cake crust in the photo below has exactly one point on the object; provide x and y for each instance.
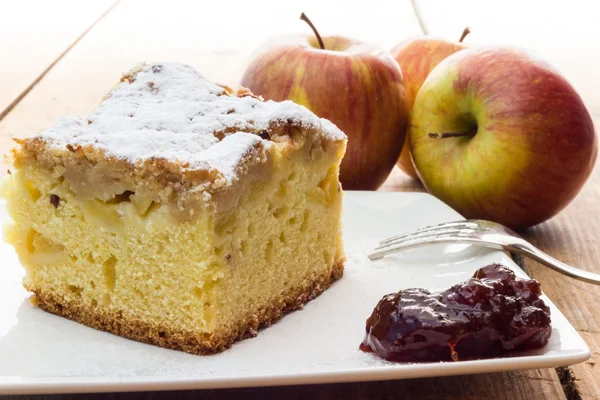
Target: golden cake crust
(170, 135)
(162, 336)
(164, 122)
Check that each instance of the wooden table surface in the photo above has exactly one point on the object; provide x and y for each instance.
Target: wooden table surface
(60, 57)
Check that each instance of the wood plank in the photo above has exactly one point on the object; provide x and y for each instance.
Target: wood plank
(398, 181)
(572, 237)
(504, 386)
(214, 40)
(565, 33)
(34, 34)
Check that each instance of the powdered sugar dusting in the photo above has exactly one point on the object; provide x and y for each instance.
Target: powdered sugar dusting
(226, 154)
(167, 110)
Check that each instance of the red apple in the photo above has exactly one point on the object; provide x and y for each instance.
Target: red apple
(356, 86)
(417, 57)
(502, 136)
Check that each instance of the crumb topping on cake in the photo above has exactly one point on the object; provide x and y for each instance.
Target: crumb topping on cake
(169, 111)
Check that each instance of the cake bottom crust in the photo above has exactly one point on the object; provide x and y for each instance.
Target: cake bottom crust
(190, 342)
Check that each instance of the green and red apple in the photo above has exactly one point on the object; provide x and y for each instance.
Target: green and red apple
(417, 57)
(356, 86)
(500, 135)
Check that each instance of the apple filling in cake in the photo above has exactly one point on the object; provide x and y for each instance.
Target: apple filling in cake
(179, 213)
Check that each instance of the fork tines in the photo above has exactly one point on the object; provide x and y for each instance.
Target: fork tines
(445, 232)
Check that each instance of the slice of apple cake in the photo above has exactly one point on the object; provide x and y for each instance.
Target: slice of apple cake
(179, 213)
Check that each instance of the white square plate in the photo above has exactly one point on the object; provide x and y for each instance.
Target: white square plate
(43, 353)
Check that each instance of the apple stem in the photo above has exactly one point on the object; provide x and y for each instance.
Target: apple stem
(444, 135)
(304, 18)
(464, 34)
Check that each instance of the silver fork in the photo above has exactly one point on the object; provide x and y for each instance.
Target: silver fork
(481, 233)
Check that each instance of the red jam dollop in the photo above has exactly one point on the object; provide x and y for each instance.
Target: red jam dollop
(492, 314)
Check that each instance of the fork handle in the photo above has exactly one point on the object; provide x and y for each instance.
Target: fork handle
(541, 257)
